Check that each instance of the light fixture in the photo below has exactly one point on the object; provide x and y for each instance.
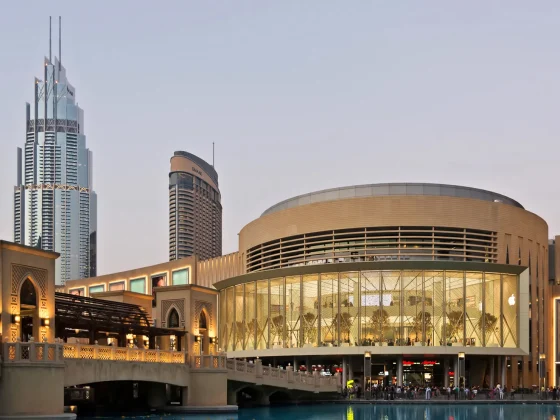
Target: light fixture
(542, 356)
(16, 318)
(45, 322)
(213, 340)
(511, 300)
(197, 338)
(461, 355)
(367, 355)
(76, 331)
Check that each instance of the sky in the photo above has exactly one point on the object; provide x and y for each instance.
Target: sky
(297, 95)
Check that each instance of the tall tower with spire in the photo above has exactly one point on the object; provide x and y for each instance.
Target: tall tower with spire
(55, 207)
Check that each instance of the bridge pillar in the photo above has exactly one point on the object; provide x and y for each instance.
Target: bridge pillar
(207, 387)
(157, 397)
(32, 382)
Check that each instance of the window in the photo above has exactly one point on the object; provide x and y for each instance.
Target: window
(138, 285)
(181, 277)
(118, 285)
(96, 289)
(173, 321)
(77, 292)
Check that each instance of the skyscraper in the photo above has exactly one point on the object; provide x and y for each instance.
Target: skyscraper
(195, 209)
(55, 207)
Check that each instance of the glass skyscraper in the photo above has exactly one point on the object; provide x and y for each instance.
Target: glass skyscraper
(55, 207)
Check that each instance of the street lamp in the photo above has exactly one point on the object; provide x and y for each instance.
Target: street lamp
(461, 366)
(542, 369)
(367, 373)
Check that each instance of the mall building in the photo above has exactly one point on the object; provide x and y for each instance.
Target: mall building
(428, 283)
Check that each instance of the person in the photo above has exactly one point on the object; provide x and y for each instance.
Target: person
(466, 393)
(428, 392)
(448, 392)
(474, 392)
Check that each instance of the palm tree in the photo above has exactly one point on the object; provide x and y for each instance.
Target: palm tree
(278, 326)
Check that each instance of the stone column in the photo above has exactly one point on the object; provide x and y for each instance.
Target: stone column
(295, 365)
(350, 369)
(455, 371)
(504, 367)
(514, 373)
(446, 372)
(344, 372)
(399, 370)
(492, 373)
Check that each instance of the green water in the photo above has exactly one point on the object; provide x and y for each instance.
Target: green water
(381, 412)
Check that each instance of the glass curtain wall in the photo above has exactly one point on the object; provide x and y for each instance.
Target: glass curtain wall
(372, 308)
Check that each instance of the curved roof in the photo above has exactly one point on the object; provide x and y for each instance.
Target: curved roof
(380, 190)
(206, 167)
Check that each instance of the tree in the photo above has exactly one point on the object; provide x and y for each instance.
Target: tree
(378, 320)
(346, 322)
(309, 328)
(278, 326)
(423, 319)
(487, 325)
(454, 324)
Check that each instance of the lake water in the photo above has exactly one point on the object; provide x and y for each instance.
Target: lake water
(381, 412)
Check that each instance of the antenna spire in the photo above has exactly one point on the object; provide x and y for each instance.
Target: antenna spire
(50, 39)
(212, 154)
(59, 42)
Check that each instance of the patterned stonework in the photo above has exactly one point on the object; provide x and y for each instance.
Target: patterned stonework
(166, 305)
(200, 305)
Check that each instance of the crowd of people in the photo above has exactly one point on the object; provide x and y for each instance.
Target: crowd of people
(394, 392)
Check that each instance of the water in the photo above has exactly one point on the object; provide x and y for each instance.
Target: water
(381, 412)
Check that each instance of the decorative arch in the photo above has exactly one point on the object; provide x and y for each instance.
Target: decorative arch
(166, 307)
(38, 278)
(206, 307)
(173, 320)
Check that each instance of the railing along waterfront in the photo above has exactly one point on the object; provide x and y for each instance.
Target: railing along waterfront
(123, 354)
(281, 376)
(31, 352)
(51, 352)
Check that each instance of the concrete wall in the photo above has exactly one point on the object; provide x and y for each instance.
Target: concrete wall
(29, 389)
(82, 371)
(208, 387)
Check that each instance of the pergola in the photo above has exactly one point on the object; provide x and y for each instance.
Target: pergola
(85, 317)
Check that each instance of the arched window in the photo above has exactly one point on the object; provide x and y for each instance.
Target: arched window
(28, 296)
(202, 321)
(173, 321)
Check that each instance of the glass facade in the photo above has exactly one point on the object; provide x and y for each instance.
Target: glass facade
(55, 207)
(372, 308)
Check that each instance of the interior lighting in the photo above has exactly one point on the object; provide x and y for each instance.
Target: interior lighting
(45, 322)
(16, 318)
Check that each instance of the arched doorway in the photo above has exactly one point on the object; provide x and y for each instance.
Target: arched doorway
(203, 331)
(28, 310)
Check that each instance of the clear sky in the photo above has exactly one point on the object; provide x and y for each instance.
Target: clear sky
(297, 95)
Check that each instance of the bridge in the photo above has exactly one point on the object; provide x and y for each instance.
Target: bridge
(208, 379)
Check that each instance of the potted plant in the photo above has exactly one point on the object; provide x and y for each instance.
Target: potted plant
(278, 330)
(346, 322)
(453, 326)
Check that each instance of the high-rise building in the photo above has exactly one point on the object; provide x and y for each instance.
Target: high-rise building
(55, 207)
(195, 209)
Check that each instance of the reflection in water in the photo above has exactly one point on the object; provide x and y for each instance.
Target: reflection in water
(387, 412)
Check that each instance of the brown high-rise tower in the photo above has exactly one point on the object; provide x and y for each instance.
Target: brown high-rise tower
(195, 209)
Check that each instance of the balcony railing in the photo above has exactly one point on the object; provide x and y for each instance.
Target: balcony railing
(31, 352)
